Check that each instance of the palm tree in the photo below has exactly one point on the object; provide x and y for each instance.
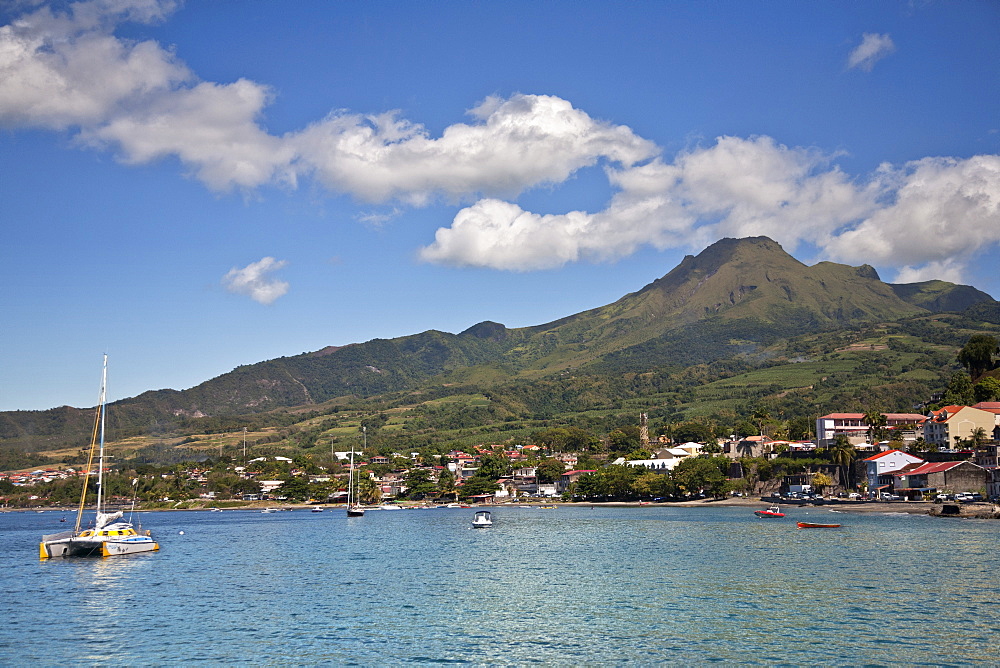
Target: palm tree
(842, 454)
(876, 424)
(979, 437)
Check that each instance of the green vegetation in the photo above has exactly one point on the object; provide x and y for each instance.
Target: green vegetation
(740, 339)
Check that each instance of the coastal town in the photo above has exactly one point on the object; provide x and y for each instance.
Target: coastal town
(947, 456)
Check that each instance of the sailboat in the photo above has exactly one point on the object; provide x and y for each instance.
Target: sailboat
(108, 536)
(354, 509)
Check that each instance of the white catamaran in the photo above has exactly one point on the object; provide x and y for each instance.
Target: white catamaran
(108, 536)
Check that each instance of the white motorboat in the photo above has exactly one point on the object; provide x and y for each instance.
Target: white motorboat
(482, 519)
(108, 537)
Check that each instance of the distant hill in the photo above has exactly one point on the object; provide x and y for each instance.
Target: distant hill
(941, 296)
(733, 299)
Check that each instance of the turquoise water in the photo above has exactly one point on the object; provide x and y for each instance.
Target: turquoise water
(572, 586)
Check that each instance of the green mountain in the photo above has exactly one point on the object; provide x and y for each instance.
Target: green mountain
(941, 296)
(734, 300)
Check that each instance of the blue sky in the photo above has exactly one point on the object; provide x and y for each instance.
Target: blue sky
(191, 187)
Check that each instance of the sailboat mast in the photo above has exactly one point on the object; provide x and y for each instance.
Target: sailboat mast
(98, 426)
(100, 458)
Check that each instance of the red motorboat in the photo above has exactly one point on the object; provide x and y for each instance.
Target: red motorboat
(773, 511)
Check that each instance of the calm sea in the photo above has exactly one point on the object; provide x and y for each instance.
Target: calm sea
(572, 586)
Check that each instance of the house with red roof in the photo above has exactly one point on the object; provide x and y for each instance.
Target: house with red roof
(853, 426)
(950, 424)
(880, 469)
(948, 477)
(568, 478)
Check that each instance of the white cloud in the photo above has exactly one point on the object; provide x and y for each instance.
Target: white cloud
(928, 218)
(939, 213)
(738, 187)
(873, 48)
(517, 143)
(69, 71)
(255, 282)
(211, 128)
(65, 70)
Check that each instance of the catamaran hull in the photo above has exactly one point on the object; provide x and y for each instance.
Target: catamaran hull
(115, 548)
(94, 548)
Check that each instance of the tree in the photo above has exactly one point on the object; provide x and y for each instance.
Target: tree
(760, 415)
(446, 484)
(842, 454)
(876, 422)
(712, 448)
(977, 354)
(959, 391)
(821, 481)
(368, 490)
(979, 437)
(419, 484)
(651, 484)
(477, 485)
(550, 470)
(987, 389)
(566, 439)
(296, 488)
(699, 474)
(693, 431)
(623, 439)
(639, 453)
(493, 466)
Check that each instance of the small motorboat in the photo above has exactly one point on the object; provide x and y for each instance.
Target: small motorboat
(814, 525)
(482, 519)
(316, 510)
(773, 511)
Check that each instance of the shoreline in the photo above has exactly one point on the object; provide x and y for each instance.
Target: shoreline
(981, 509)
(915, 507)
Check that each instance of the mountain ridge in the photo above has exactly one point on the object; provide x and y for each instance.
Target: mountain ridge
(734, 298)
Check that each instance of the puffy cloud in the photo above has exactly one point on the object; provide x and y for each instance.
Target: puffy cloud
(255, 282)
(517, 143)
(63, 70)
(68, 70)
(939, 212)
(738, 187)
(873, 48)
(927, 218)
(211, 128)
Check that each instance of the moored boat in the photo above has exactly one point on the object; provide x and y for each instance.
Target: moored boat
(816, 525)
(108, 537)
(354, 508)
(482, 519)
(773, 511)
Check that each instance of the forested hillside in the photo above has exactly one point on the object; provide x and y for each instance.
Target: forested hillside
(741, 325)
